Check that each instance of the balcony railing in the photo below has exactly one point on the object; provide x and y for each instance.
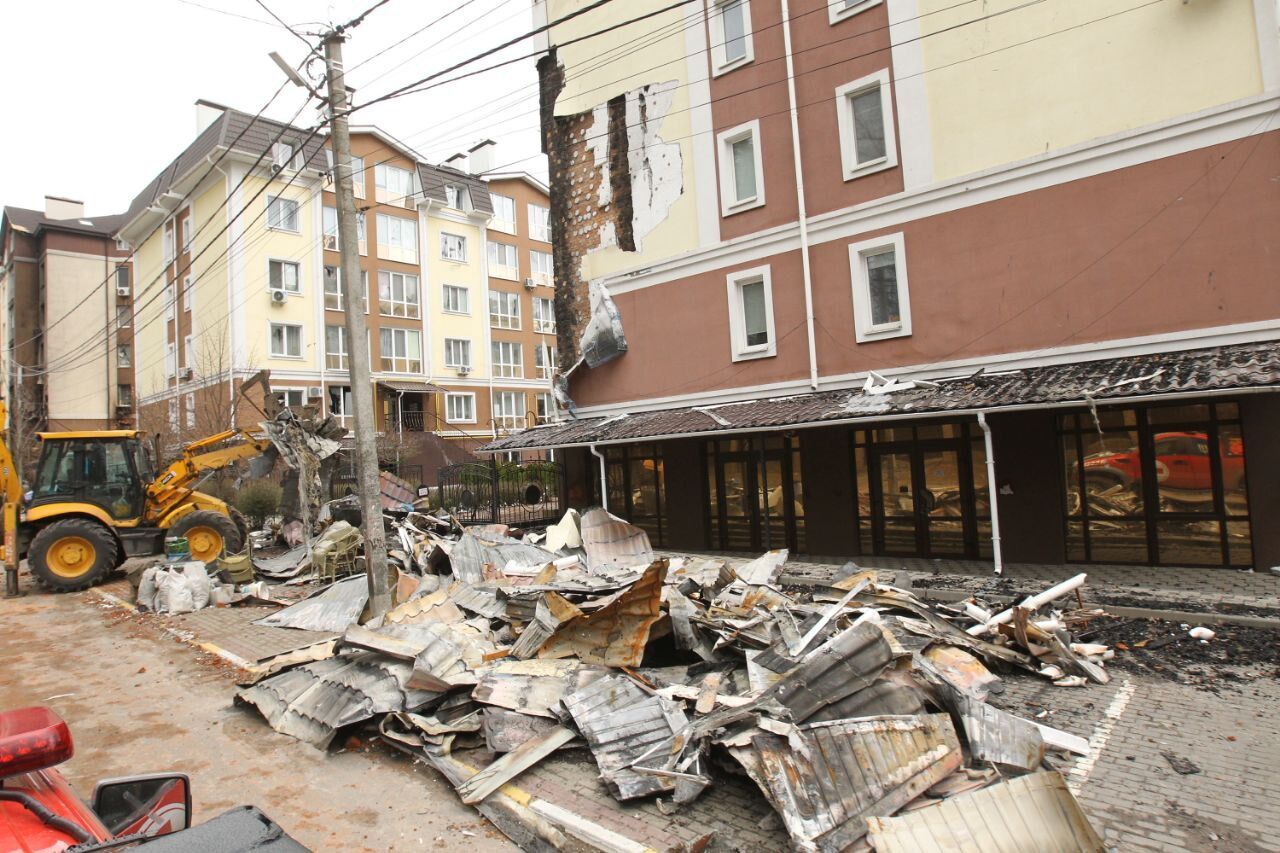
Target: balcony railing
(409, 422)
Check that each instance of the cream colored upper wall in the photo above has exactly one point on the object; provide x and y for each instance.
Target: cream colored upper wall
(148, 325)
(439, 272)
(603, 67)
(990, 102)
(80, 388)
(209, 313)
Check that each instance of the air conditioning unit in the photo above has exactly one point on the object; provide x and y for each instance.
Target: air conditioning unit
(464, 370)
(277, 297)
(187, 373)
(314, 392)
(122, 290)
(276, 168)
(529, 284)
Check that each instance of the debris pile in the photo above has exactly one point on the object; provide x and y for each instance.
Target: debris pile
(858, 710)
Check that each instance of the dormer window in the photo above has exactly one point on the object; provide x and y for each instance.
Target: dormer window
(457, 197)
(285, 156)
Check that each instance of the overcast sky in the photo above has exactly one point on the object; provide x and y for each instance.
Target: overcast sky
(101, 95)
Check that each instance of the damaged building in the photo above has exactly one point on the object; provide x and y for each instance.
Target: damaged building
(1085, 345)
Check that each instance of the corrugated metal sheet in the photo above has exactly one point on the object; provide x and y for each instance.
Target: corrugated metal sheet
(472, 553)
(847, 770)
(313, 701)
(615, 635)
(550, 613)
(331, 609)
(610, 541)
(482, 601)
(621, 723)
(1034, 812)
(1209, 369)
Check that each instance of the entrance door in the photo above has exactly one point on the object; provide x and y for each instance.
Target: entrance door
(754, 503)
(919, 502)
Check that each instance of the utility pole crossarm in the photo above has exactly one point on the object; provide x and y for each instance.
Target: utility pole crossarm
(365, 429)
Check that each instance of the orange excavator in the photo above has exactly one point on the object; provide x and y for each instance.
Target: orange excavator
(97, 500)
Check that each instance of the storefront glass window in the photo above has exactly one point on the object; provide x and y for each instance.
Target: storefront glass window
(636, 486)
(755, 492)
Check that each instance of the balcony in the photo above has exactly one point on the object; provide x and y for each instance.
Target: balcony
(409, 421)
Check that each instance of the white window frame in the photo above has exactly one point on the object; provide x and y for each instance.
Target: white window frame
(124, 355)
(341, 292)
(510, 272)
(470, 399)
(844, 118)
(407, 359)
(444, 235)
(124, 316)
(454, 364)
(169, 239)
(302, 344)
(837, 11)
(546, 402)
(509, 421)
(724, 145)
(720, 64)
(506, 369)
(543, 277)
(329, 226)
(403, 228)
(342, 412)
(864, 330)
(504, 320)
(187, 295)
(190, 406)
(170, 359)
(296, 290)
(402, 307)
(341, 356)
(171, 301)
(297, 214)
(506, 226)
(357, 176)
(546, 324)
(185, 359)
(388, 194)
(286, 155)
(734, 281)
(464, 302)
(461, 200)
(539, 223)
(283, 394)
(188, 233)
(545, 361)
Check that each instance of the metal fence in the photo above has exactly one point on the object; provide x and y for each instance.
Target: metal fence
(344, 480)
(493, 492)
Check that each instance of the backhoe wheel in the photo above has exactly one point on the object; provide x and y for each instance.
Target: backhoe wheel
(72, 554)
(242, 526)
(209, 534)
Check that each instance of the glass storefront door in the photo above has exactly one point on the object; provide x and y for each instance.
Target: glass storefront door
(922, 491)
(755, 495)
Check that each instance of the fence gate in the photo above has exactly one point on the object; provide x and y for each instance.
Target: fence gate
(493, 492)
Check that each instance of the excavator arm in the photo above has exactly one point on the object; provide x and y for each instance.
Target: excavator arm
(177, 480)
(11, 487)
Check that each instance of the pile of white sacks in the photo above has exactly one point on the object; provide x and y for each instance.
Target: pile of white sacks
(186, 586)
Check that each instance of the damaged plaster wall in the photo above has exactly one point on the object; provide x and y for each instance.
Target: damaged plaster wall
(613, 181)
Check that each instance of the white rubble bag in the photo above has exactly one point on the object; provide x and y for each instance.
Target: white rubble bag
(173, 592)
(198, 576)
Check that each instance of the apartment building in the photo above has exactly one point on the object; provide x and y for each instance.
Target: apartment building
(64, 279)
(903, 277)
(242, 273)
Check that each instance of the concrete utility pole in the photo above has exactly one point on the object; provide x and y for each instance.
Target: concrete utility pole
(365, 427)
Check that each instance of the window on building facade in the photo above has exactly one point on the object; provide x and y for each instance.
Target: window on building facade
(335, 289)
(453, 247)
(397, 238)
(838, 10)
(864, 112)
(504, 213)
(544, 359)
(124, 316)
(170, 359)
(357, 176)
(291, 397)
(750, 296)
(168, 243)
(188, 354)
(335, 348)
(331, 228)
(457, 353)
(508, 359)
(282, 214)
(457, 196)
(170, 300)
(540, 223)
(394, 185)
(398, 295)
(457, 300)
(286, 340)
(122, 281)
(504, 310)
(881, 304)
(188, 293)
(401, 350)
(460, 408)
(634, 476)
(340, 405)
(283, 275)
(285, 156)
(189, 403)
(731, 44)
(508, 409)
(545, 408)
(544, 316)
(124, 355)
(540, 267)
(187, 233)
(502, 261)
(741, 172)
(124, 395)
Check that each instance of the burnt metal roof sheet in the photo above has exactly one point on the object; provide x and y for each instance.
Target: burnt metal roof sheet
(331, 609)
(1223, 368)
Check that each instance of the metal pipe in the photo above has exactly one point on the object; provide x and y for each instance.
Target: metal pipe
(801, 212)
(604, 483)
(993, 495)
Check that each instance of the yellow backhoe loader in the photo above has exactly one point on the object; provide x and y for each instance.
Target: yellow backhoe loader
(97, 499)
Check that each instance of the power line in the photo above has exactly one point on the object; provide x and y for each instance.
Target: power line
(416, 32)
(299, 36)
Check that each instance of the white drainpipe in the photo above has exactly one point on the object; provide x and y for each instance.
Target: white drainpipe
(995, 495)
(800, 206)
(604, 485)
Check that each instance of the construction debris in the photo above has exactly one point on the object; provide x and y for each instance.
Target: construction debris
(845, 705)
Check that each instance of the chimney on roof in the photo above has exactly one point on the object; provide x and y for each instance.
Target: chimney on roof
(207, 112)
(56, 207)
(482, 156)
(457, 161)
